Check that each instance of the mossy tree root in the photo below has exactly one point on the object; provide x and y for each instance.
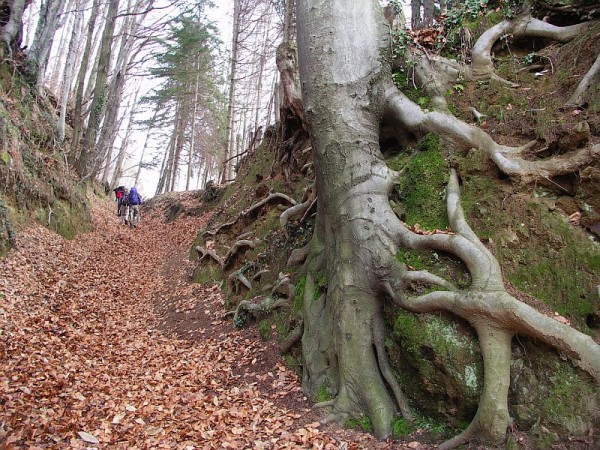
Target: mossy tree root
(292, 339)
(310, 196)
(236, 249)
(272, 198)
(260, 304)
(436, 74)
(463, 136)
(495, 315)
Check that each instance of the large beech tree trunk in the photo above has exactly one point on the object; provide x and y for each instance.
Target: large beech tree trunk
(346, 88)
(340, 45)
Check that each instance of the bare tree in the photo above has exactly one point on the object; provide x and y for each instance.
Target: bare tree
(85, 161)
(49, 21)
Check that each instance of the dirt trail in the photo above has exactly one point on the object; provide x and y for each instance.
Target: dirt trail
(104, 335)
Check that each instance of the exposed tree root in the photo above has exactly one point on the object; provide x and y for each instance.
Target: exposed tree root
(298, 256)
(235, 279)
(384, 367)
(494, 314)
(236, 249)
(292, 339)
(222, 227)
(298, 209)
(584, 84)
(259, 304)
(461, 135)
(275, 197)
(436, 74)
(204, 253)
(257, 276)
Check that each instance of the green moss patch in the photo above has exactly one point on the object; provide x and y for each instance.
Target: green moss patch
(422, 189)
(444, 354)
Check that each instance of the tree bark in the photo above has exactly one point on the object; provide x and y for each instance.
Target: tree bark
(229, 152)
(49, 22)
(69, 69)
(78, 110)
(344, 101)
(88, 153)
(351, 266)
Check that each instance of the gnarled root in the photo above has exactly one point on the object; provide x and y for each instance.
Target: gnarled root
(310, 196)
(384, 367)
(259, 304)
(463, 136)
(584, 84)
(204, 253)
(436, 74)
(235, 279)
(298, 256)
(236, 249)
(494, 314)
(292, 339)
(274, 197)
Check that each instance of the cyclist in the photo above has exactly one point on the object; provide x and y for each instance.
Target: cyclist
(119, 196)
(134, 199)
(124, 207)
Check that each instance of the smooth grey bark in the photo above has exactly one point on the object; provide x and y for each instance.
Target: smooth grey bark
(230, 151)
(69, 69)
(49, 21)
(12, 29)
(340, 44)
(192, 151)
(118, 172)
(347, 93)
(88, 153)
(116, 85)
(78, 119)
(584, 84)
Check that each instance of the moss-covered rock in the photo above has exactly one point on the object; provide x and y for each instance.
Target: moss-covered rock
(444, 355)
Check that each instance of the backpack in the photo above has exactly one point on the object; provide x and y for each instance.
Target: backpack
(133, 198)
(119, 192)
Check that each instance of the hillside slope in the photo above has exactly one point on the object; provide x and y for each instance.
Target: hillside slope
(36, 184)
(545, 236)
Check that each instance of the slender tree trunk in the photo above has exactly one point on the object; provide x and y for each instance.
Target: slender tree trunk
(118, 173)
(49, 22)
(415, 18)
(226, 171)
(193, 131)
(163, 168)
(99, 98)
(56, 73)
(144, 148)
(69, 69)
(261, 68)
(78, 120)
(428, 13)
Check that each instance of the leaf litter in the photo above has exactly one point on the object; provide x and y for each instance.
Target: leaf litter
(93, 355)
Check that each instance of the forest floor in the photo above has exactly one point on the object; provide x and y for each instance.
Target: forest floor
(104, 343)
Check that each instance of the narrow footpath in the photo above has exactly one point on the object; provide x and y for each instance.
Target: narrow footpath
(105, 344)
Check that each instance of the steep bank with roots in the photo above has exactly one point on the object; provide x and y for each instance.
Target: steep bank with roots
(447, 229)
